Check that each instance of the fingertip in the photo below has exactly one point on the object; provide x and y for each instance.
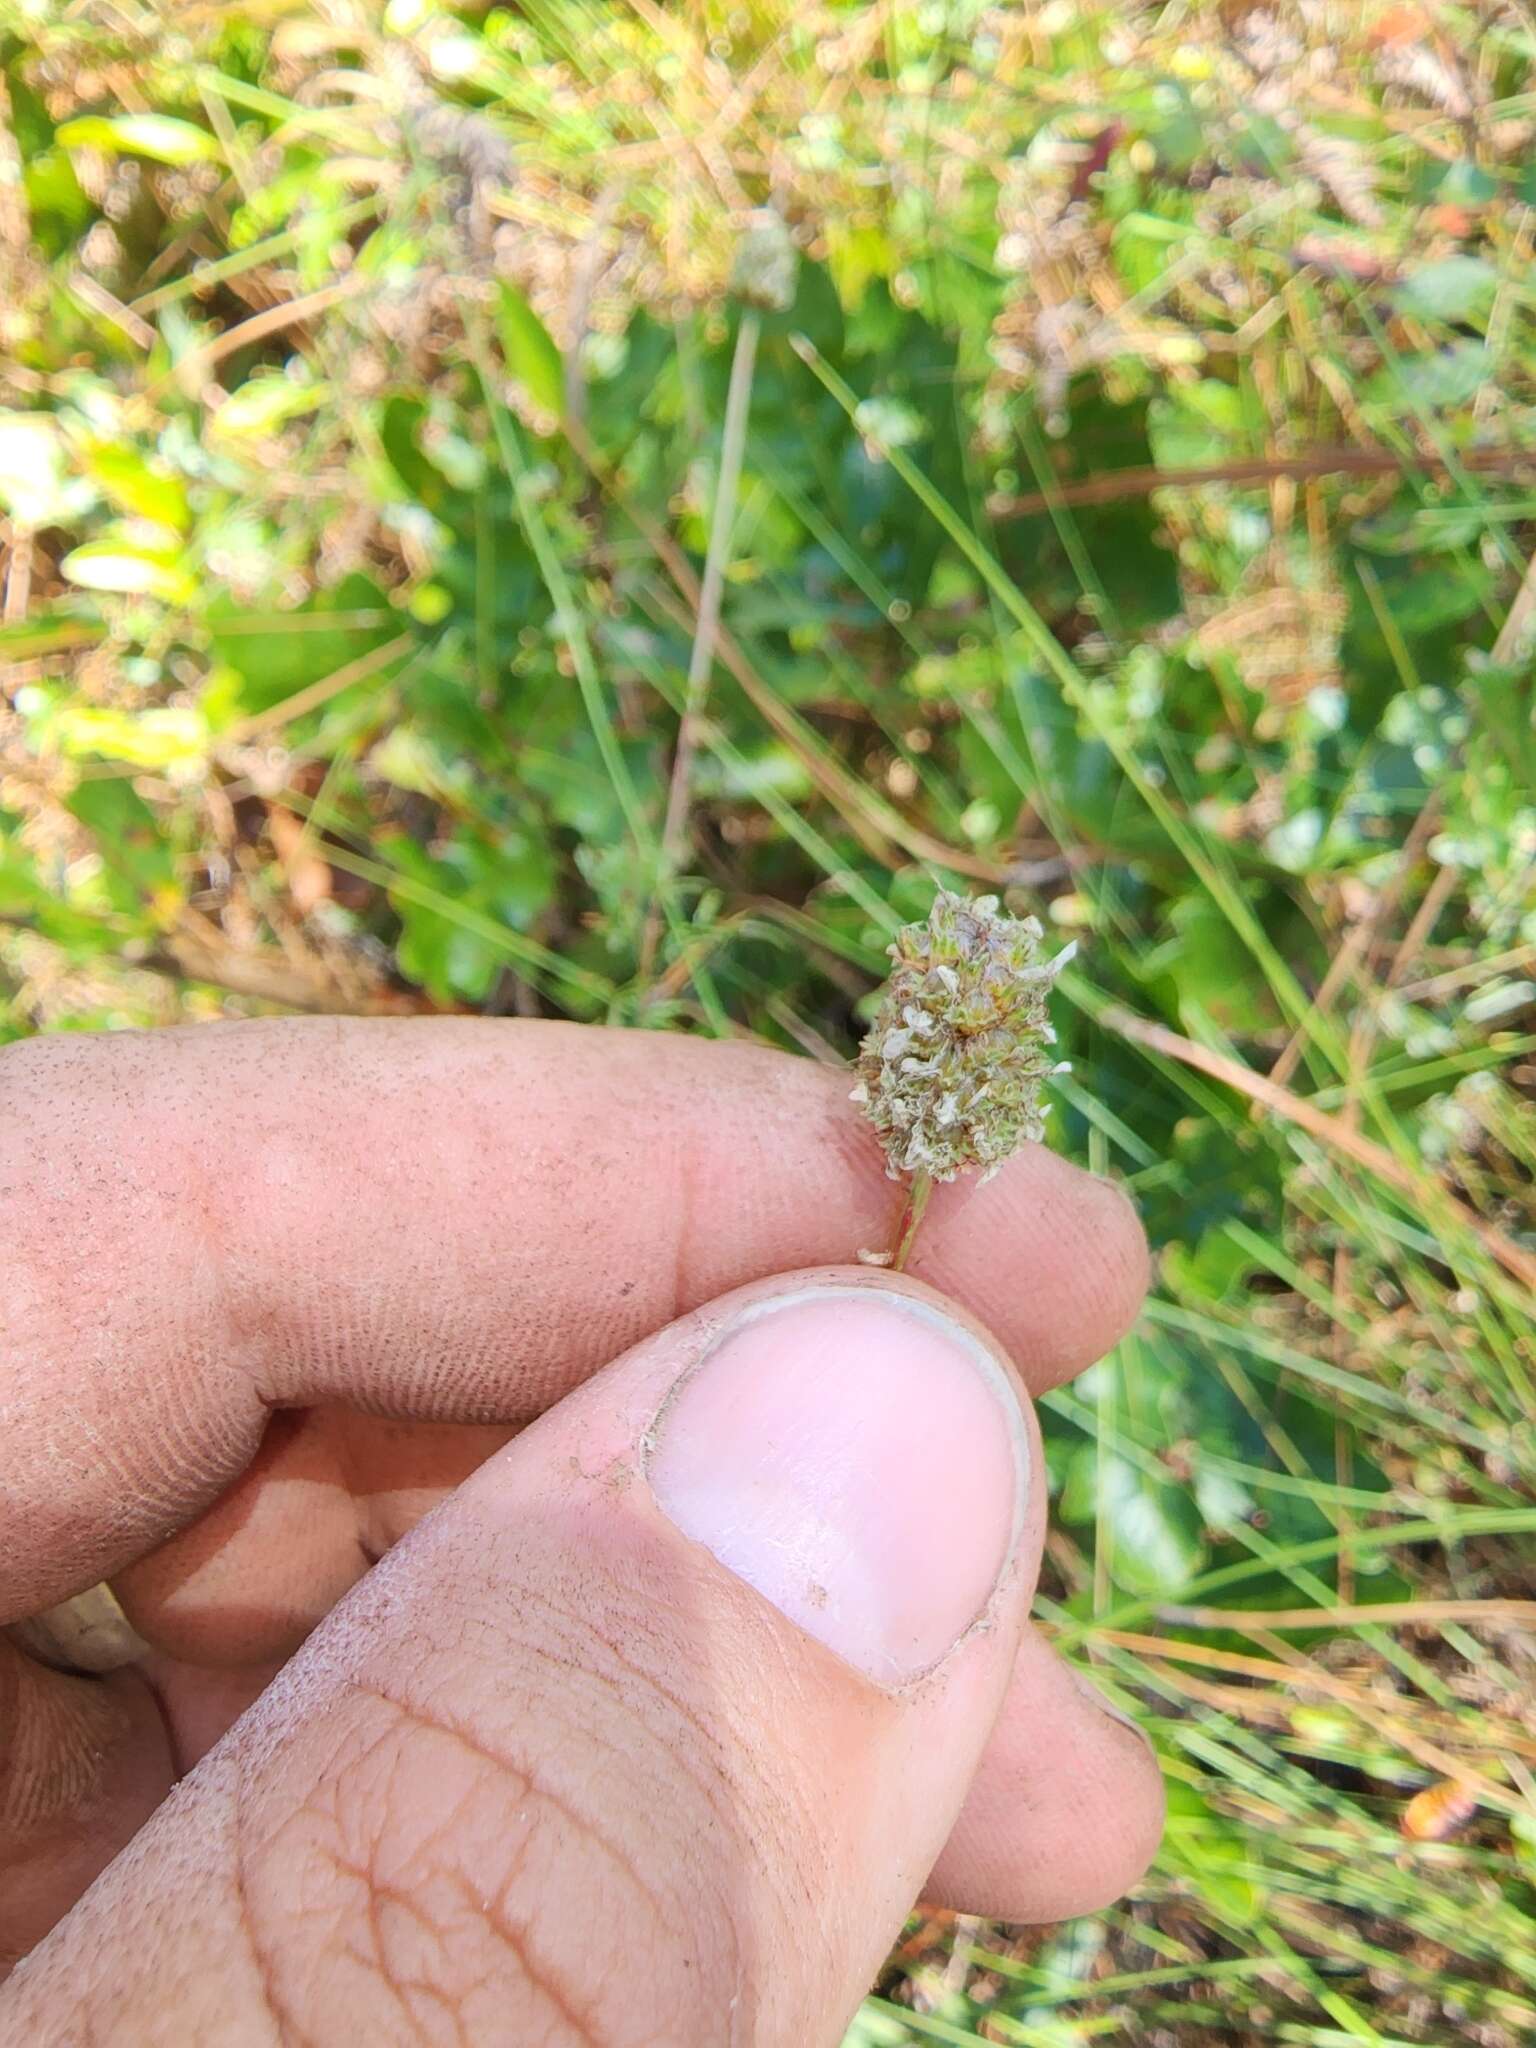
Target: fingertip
(1051, 1257)
(1113, 1236)
(1065, 1812)
(1129, 1849)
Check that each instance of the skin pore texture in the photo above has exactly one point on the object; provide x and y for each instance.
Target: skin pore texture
(717, 1634)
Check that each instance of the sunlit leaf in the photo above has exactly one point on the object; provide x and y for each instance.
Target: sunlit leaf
(161, 137)
(263, 404)
(531, 354)
(165, 737)
(136, 486)
(36, 486)
(118, 566)
(1456, 288)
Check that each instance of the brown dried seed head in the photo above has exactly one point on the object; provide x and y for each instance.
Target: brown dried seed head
(951, 1071)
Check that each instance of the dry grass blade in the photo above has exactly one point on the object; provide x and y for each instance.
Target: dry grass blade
(701, 659)
(1272, 1709)
(1485, 1732)
(194, 365)
(1394, 1613)
(1260, 469)
(1332, 1131)
(879, 826)
(313, 695)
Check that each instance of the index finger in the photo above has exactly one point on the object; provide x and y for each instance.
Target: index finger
(452, 1219)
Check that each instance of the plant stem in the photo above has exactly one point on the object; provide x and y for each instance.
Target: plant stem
(733, 438)
(919, 1190)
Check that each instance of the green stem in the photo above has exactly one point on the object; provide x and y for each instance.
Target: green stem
(911, 1216)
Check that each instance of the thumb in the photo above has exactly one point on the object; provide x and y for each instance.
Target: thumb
(650, 1734)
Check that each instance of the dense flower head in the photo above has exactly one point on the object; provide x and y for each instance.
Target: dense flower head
(766, 263)
(951, 1070)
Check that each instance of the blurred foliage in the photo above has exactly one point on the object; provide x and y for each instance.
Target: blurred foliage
(1134, 512)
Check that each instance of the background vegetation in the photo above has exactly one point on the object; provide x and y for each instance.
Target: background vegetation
(1129, 512)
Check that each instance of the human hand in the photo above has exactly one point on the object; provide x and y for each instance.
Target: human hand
(654, 1731)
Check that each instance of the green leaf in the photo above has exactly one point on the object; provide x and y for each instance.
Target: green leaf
(134, 486)
(1424, 530)
(857, 253)
(164, 737)
(1436, 382)
(1206, 973)
(507, 881)
(1503, 699)
(138, 864)
(56, 201)
(400, 435)
(1210, 1264)
(1456, 288)
(1467, 184)
(529, 348)
(160, 137)
(23, 897)
(269, 655)
(130, 570)
(263, 404)
(1212, 1850)
(411, 759)
(35, 485)
(50, 633)
(1155, 1526)
(573, 785)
